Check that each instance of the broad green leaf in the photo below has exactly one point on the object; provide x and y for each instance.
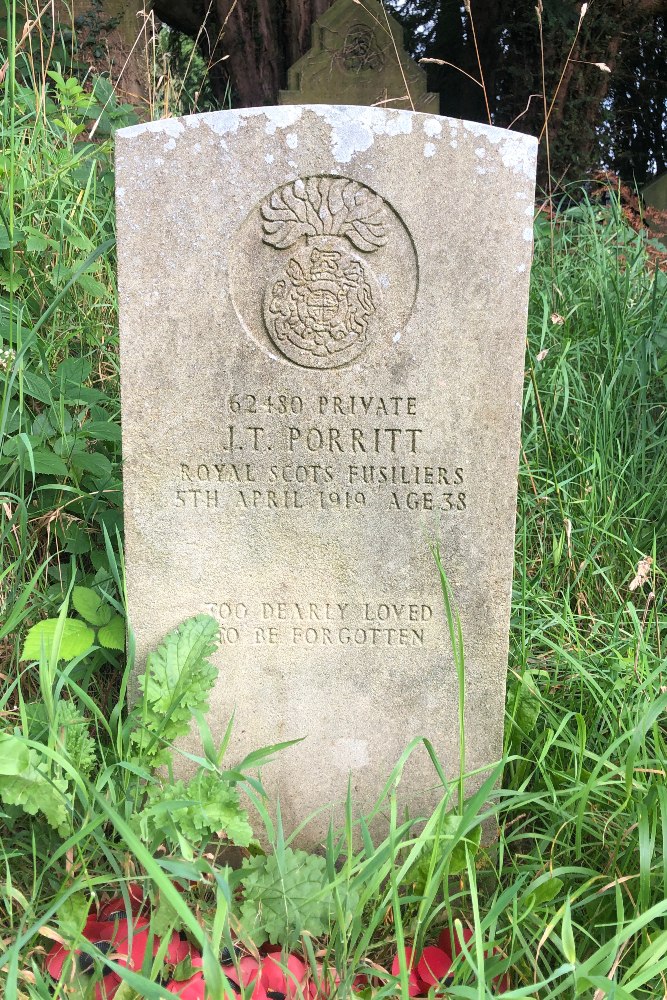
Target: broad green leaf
(177, 681)
(112, 636)
(102, 430)
(164, 918)
(76, 638)
(11, 280)
(76, 539)
(284, 897)
(96, 464)
(81, 747)
(528, 711)
(55, 300)
(48, 463)
(14, 755)
(544, 893)
(93, 287)
(448, 849)
(37, 387)
(168, 668)
(62, 421)
(20, 443)
(524, 705)
(126, 992)
(468, 845)
(35, 791)
(91, 606)
(72, 914)
(75, 370)
(83, 394)
(80, 241)
(67, 446)
(36, 242)
(196, 810)
(42, 426)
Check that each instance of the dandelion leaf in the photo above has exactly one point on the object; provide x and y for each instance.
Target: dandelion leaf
(177, 682)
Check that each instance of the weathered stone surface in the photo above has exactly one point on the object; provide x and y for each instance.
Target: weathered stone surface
(323, 314)
(655, 193)
(358, 57)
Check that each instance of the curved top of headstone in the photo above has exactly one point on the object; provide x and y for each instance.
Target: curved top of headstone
(352, 129)
(358, 57)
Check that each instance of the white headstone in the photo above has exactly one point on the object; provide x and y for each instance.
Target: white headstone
(323, 315)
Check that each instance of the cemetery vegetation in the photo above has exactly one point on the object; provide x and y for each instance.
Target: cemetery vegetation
(572, 899)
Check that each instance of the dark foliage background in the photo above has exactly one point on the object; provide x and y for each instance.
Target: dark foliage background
(605, 62)
(613, 118)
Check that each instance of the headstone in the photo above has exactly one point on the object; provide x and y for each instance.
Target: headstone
(654, 196)
(358, 57)
(655, 193)
(323, 315)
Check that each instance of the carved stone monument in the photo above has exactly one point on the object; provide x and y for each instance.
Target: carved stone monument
(323, 315)
(358, 57)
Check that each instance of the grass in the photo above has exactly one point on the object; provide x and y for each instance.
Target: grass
(574, 897)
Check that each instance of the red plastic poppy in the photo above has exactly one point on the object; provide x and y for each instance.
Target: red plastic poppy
(433, 966)
(116, 907)
(125, 942)
(194, 987)
(451, 943)
(322, 984)
(360, 982)
(176, 951)
(501, 984)
(95, 931)
(110, 936)
(277, 977)
(247, 973)
(415, 985)
(189, 989)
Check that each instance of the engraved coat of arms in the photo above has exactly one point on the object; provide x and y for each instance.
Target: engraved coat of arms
(319, 309)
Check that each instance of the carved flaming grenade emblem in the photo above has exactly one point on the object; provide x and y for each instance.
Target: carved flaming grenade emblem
(319, 310)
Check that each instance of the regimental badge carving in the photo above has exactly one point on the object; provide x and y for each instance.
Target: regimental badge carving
(320, 310)
(360, 50)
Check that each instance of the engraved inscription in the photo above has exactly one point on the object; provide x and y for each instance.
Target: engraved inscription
(339, 454)
(319, 310)
(323, 622)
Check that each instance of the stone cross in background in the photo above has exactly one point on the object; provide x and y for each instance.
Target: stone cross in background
(358, 57)
(323, 315)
